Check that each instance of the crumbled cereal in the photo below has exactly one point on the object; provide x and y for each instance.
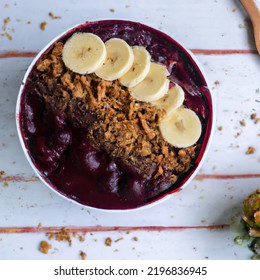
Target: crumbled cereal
(7, 35)
(53, 16)
(243, 123)
(250, 150)
(6, 20)
(119, 239)
(253, 116)
(108, 241)
(83, 255)
(44, 247)
(62, 235)
(43, 25)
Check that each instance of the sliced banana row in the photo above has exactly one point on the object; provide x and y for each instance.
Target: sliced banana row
(147, 81)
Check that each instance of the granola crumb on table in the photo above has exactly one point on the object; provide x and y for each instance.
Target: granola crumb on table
(250, 150)
(62, 235)
(6, 21)
(53, 16)
(243, 123)
(119, 239)
(108, 241)
(43, 25)
(83, 255)
(44, 247)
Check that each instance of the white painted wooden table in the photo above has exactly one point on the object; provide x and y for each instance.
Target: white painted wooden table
(196, 223)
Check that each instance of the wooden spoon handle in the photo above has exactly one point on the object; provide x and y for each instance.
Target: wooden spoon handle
(254, 14)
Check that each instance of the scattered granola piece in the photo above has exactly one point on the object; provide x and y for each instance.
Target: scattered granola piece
(135, 238)
(108, 241)
(220, 128)
(39, 225)
(233, 10)
(250, 150)
(63, 235)
(83, 255)
(81, 238)
(216, 82)
(116, 250)
(43, 25)
(112, 10)
(5, 184)
(119, 239)
(243, 123)
(44, 247)
(29, 22)
(254, 117)
(50, 235)
(8, 36)
(2, 173)
(53, 16)
(6, 20)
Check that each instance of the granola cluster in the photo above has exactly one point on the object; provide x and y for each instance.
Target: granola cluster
(111, 118)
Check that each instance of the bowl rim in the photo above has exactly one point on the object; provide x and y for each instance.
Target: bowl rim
(161, 198)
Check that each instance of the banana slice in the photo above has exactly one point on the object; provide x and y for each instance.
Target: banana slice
(84, 53)
(154, 86)
(139, 69)
(182, 129)
(119, 60)
(172, 100)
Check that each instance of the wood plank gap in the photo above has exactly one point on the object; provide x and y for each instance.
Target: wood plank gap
(40, 229)
(199, 177)
(226, 176)
(222, 52)
(15, 54)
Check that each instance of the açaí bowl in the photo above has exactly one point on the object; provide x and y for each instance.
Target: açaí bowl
(184, 70)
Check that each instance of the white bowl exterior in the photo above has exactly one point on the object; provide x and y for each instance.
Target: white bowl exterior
(41, 177)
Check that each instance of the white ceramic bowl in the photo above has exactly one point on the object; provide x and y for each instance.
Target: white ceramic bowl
(205, 142)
